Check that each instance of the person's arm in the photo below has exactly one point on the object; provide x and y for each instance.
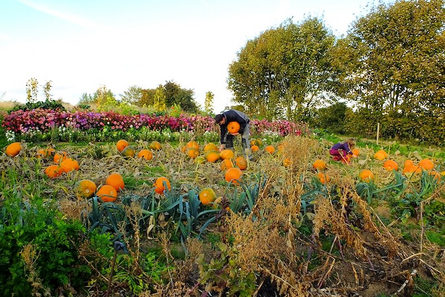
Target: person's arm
(347, 149)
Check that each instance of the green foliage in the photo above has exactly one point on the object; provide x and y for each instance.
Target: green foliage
(48, 104)
(285, 72)
(331, 118)
(37, 248)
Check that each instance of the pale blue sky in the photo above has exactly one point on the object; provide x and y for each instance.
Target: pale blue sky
(82, 44)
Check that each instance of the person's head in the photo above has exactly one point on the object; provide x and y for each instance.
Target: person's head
(220, 119)
(351, 142)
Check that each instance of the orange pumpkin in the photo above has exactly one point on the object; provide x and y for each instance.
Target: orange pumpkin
(68, 165)
(390, 165)
(380, 155)
(59, 157)
(233, 174)
(159, 184)
(319, 165)
(155, 145)
(121, 145)
(145, 154)
(115, 180)
(207, 196)
(85, 188)
(241, 162)
(226, 154)
(107, 193)
(212, 156)
(366, 175)
(13, 149)
(270, 149)
(233, 127)
(356, 152)
(192, 144)
(53, 171)
(210, 147)
(192, 152)
(254, 148)
(426, 164)
(226, 164)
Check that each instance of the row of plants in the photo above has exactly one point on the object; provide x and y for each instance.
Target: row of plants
(26, 124)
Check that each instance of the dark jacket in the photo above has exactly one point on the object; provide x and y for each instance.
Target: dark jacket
(233, 116)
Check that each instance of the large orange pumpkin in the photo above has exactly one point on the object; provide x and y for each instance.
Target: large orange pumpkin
(192, 152)
(107, 193)
(85, 188)
(233, 127)
(380, 155)
(192, 144)
(13, 149)
(159, 184)
(233, 174)
(121, 145)
(68, 165)
(116, 180)
(207, 196)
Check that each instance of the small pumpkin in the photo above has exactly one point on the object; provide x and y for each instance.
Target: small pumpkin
(155, 145)
(426, 164)
(241, 162)
(366, 175)
(160, 184)
(145, 154)
(287, 162)
(270, 149)
(233, 127)
(59, 157)
(226, 164)
(121, 145)
(85, 188)
(390, 165)
(115, 180)
(207, 196)
(233, 174)
(53, 171)
(319, 165)
(226, 154)
(192, 152)
(356, 152)
(380, 155)
(210, 147)
(107, 193)
(254, 148)
(212, 156)
(13, 149)
(192, 144)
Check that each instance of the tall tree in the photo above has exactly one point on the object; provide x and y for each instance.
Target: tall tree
(285, 72)
(133, 95)
(47, 90)
(208, 102)
(32, 86)
(394, 71)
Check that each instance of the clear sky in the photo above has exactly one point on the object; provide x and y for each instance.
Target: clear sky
(81, 45)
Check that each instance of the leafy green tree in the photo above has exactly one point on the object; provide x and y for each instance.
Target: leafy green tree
(331, 118)
(393, 69)
(86, 99)
(104, 98)
(208, 103)
(174, 94)
(133, 95)
(286, 72)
